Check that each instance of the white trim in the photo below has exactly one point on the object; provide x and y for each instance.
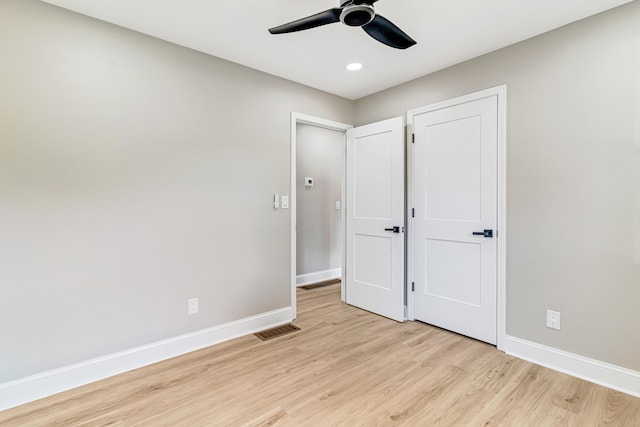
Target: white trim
(595, 371)
(343, 219)
(501, 235)
(409, 237)
(318, 121)
(38, 386)
(326, 124)
(318, 276)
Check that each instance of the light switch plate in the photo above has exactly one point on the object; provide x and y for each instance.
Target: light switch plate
(284, 202)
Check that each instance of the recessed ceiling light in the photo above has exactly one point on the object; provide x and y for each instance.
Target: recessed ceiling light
(354, 66)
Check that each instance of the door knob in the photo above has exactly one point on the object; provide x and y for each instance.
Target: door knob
(394, 229)
(485, 233)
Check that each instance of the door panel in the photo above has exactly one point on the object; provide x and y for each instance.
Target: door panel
(452, 162)
(375, 201)
(373, 175)
(444, 279)
(367, 248)
(455, 195)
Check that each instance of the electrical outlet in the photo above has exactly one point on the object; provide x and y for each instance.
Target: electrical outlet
(192, 306)
(553, 319)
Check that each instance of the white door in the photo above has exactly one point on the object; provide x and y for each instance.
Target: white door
(375, 218)
(455, 201)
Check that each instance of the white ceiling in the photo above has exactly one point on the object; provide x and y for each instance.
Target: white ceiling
(447, 31)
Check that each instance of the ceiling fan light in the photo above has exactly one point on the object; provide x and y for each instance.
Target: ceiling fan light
(357, 15)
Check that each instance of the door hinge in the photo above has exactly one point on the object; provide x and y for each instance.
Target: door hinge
(413, 286)
(413, 212)
(413, 138)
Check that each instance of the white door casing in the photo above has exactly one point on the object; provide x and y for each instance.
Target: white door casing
(375, 202)
(455, 191)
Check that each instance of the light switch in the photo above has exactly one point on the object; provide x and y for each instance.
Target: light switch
(276, 201)
(337, 205)
(285, 202)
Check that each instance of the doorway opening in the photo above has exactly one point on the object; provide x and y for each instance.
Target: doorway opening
(369, 240)
(317, 201)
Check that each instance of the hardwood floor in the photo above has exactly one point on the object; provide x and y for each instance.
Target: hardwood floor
(346, 367)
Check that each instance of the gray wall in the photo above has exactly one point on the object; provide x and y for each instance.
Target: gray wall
(573, 177)
(320, 155)
(134, 174)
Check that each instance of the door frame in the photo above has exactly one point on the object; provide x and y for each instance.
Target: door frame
(501, 233)
(300, 118)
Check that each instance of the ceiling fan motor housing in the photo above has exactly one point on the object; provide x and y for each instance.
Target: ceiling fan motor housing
(357, 15)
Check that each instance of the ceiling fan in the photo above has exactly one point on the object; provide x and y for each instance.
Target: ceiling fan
(354, 13)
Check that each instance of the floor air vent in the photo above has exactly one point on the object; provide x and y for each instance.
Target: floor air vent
(277, 332)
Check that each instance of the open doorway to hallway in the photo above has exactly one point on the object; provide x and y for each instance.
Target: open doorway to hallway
(319, 214)
(317, 192)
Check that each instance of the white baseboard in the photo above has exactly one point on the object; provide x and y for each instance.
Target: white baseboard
(318, 276)
(595, 371)
(38, 386)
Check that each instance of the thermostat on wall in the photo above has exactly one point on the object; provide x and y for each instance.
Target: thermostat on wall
(308, 182)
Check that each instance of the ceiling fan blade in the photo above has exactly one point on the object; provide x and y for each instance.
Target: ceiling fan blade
(323, 18)
(388, 33)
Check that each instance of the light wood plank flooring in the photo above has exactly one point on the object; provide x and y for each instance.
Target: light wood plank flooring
(347, 367)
